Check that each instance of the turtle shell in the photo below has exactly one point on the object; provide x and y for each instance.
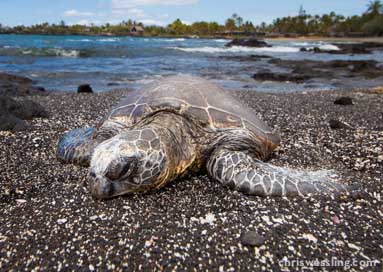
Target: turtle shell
(198, 99)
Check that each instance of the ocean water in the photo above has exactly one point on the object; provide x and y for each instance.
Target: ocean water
(63, 62)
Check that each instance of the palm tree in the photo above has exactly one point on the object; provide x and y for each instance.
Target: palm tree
(374, 7)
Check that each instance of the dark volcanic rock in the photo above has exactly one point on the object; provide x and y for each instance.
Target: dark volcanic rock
(344, 100)
(23, 108)
(12, 112)
(15, 79)
(84, 88)
(331, 69)
(336, 124)
(252, 238)
(11, 122)
(348, 48)
(13, 85)
(270, 76)
(248, 43)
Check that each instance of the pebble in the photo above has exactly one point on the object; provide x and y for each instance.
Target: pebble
(252, 238)
(62, 221)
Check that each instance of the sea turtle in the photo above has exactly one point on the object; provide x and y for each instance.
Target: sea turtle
(178, 125)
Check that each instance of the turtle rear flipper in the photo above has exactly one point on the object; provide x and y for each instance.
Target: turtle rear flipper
(238, 170)
(76, 146)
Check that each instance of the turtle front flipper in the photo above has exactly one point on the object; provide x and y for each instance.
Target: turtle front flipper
(76, 146)
(240, 171)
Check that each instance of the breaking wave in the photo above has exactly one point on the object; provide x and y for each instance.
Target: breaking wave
(237, 49)
(329, 47)
(44, 52)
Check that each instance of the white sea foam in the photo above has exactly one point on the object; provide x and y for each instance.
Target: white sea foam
(58, 52)
(221, 40)
(172, 40)
(79, 40)
(302, 44)
(329, 47)
(108, 40)
(237, 49)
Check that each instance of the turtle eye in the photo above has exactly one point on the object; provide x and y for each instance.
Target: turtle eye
(128, 167)
(120, 169)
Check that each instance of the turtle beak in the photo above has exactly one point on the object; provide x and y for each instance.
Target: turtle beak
(100, 187)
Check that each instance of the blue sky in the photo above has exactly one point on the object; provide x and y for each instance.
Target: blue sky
(161, 12)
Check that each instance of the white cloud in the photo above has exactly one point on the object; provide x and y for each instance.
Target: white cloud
(152, 22)
(134, 12)
(83, 22)
(123, 4)
(86, 22)
(76, 13)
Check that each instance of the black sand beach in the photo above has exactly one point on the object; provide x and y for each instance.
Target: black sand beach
(49, 221)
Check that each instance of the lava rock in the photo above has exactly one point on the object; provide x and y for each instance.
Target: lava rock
(349, 48)
(336, 124)
(252, 238)
(12, 123)
(84, 88)
(13, 85)
(22, 108)
(113, 84)
(281, 77)
(248, 43)
(344, 100)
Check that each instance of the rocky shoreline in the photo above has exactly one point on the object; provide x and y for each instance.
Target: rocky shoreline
(49, 220)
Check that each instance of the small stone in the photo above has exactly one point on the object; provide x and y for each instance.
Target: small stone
(335, 220)
(251, 238)
(336, 124)
(62, 221)
(310, 237)
(344, 101)
(209, 219)
(84, 88)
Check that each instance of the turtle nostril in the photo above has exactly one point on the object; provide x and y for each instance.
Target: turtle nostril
(92, 174)
(101, 188)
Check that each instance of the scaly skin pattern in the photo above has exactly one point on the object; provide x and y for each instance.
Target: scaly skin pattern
(77, 146)
(142, 158)
(240, 171)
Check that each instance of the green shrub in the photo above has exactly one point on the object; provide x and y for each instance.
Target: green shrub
(374, 26)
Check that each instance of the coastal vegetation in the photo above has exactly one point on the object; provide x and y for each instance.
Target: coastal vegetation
(370, 23)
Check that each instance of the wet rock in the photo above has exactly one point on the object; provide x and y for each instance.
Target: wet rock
(344, 100)
(336, 124)
(252, 238)
(84, 88)
(13, 85)
(281, 77)
(248, 42)
(349, 48)
(261, 56)
(4, 77)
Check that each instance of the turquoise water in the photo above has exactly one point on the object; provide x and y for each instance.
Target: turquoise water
(64, 62)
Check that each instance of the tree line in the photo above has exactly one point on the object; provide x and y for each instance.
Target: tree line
(370, 23)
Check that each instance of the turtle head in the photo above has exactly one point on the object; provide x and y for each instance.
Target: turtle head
(131, 161)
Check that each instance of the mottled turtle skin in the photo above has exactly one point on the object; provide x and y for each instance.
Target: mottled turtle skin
(182, 125)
